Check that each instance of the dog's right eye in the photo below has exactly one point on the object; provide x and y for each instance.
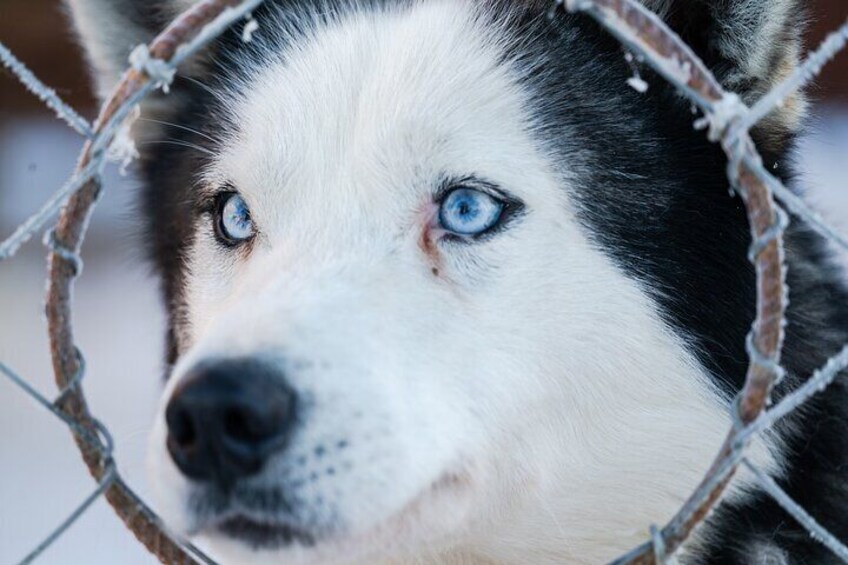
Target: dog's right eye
(233, 224)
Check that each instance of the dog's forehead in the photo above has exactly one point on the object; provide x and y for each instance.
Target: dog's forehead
(377, 100)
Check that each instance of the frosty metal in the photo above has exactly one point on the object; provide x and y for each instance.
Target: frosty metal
(729, 121)
(153, 67)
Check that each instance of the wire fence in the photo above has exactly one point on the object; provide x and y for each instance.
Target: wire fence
(727, 119)
(729, 122)
(152, 66)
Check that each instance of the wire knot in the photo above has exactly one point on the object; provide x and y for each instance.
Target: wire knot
(762, 360)
(70, 256)
(160, 72)
(727, 111)
(74, 382)
(772, 233)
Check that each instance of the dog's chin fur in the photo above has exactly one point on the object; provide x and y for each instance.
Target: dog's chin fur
(425, 530)
(542, 394)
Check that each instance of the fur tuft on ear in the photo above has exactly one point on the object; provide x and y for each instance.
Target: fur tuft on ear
(749, 44)
(110, 29)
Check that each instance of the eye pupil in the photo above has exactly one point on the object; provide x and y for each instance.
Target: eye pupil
(467, 211)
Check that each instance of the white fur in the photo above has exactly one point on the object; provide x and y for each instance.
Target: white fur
(524, 404)
(530, 378)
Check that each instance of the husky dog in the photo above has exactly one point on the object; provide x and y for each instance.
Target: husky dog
(443, 288)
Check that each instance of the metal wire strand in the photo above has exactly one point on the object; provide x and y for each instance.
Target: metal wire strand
(729, 122)
(44, 92)
(154, 68)
(796, 511)
(75, 515)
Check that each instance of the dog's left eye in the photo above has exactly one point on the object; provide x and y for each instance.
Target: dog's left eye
(233, 224)
(466, 211)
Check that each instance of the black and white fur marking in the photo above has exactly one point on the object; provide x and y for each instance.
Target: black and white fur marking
(541, 395)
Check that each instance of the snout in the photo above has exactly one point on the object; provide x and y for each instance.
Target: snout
(300, 458)
(227, 418)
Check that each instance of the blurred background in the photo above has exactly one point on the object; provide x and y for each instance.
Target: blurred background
(117, 314)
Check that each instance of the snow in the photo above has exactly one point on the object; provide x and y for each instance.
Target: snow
(638, 84)
(250, 28)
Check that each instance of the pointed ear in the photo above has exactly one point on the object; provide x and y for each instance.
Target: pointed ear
(110, 29)
(749, 44)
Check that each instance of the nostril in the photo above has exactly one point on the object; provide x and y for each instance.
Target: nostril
(243, 425)
(181, 429)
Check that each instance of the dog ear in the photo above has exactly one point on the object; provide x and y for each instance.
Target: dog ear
(110, 29)
(750, 45)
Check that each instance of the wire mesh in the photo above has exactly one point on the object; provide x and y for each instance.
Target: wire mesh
(152, 67)
(728, 120)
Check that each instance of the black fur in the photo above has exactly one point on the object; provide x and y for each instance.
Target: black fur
(654, 195)
(656, 198)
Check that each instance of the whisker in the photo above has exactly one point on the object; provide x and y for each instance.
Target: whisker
(182, 127)
(196, 82)
(180, 144)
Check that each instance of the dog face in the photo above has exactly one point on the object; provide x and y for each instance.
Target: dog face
(399, 329)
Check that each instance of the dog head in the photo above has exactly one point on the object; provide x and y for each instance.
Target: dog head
(422, 264)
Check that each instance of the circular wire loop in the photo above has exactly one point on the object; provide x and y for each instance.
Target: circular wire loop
(160, 72)
(760, 359)
(658, 544)
(74, 382)
(772, 233)
(70, 256)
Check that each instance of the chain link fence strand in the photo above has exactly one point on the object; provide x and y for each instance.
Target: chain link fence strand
(727, 119)
(152, 67)
(729, 122)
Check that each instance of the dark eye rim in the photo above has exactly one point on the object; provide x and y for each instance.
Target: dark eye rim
(512, 209)
(220, 200)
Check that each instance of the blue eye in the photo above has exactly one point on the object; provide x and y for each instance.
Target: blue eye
(466, 211)
(234, 223)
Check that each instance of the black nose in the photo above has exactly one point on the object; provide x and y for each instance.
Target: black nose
(226, 419)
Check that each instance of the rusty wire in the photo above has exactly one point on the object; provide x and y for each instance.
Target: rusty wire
(153, 66)
(729, 122)
(644, 34)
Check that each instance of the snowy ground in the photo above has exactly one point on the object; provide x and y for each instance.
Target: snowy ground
(119, 328)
